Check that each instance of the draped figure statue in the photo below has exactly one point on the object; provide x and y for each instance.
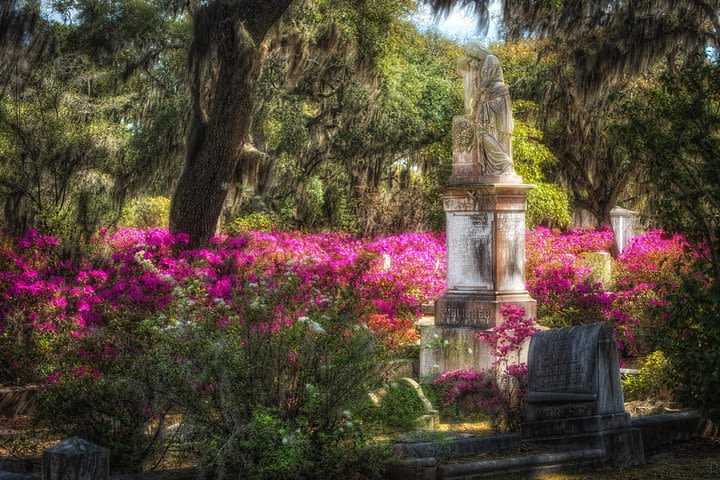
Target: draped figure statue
(487, 105)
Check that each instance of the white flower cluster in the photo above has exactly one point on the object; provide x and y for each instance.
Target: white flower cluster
(348, 423)
(181, 299)
(220, 303)
(314, 326)
(257, 304)
(145, 263)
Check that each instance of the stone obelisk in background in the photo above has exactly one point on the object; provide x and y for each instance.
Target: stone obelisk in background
(484, 204)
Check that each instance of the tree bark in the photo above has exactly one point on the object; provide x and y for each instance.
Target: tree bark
(223, 91)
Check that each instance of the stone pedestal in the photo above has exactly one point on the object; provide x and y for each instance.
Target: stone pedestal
(484, 204)
(485, 268)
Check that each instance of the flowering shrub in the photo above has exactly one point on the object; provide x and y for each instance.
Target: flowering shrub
(33, 300)
(507, 339)
(547, 248)
(500, 390)
(559, 279)
(650, 260)
(461, 383)
(259, 370)
(46, 301)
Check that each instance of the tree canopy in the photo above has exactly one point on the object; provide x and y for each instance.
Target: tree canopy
(339, 115)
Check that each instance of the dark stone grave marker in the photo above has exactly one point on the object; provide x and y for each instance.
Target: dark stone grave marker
(574, 396)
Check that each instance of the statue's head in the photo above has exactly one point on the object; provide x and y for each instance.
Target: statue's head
(477, 50)
(489, 65)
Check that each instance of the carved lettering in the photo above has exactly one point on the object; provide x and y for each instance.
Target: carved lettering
(459, 204)
(511, 250)
(467, 204)
(562, 411)
(473, 316)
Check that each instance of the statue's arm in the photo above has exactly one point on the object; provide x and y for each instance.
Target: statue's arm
(477, 100)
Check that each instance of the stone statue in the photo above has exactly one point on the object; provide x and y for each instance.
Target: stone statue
(488, 109)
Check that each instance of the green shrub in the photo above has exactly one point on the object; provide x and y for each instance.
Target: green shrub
(265, 446)
(690, 338)
(144, 211)
(400, 407)
(105, 390)
(119, 412)
(308, 380)
(26, 354)
(268, 388)
(251, 222)
(548, 204)
(651, 383)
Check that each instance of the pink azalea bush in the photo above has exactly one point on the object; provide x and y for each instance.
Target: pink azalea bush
(650, 260)
(650, 268)
(45, 300)
(559, 278)
(506, 339)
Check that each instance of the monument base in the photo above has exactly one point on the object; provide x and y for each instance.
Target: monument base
(572, 425)
(445, 348)
(612, 432)
(621, 447)
(450, 342)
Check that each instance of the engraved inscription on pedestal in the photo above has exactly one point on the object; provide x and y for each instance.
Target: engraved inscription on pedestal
(511, 251)
(563, 411)
(468, 203)
(459, 204)
(471, 315)
(469, 251)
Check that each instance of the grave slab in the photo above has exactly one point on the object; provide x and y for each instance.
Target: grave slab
(574, 396)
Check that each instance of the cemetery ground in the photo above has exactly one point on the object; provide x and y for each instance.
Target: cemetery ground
(695, 459)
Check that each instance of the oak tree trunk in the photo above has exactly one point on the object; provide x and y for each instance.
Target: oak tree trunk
(225, 66)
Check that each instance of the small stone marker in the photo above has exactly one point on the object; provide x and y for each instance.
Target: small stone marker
(76, 459)
(574, 395)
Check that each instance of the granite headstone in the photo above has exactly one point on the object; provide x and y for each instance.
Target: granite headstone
(574, 395)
